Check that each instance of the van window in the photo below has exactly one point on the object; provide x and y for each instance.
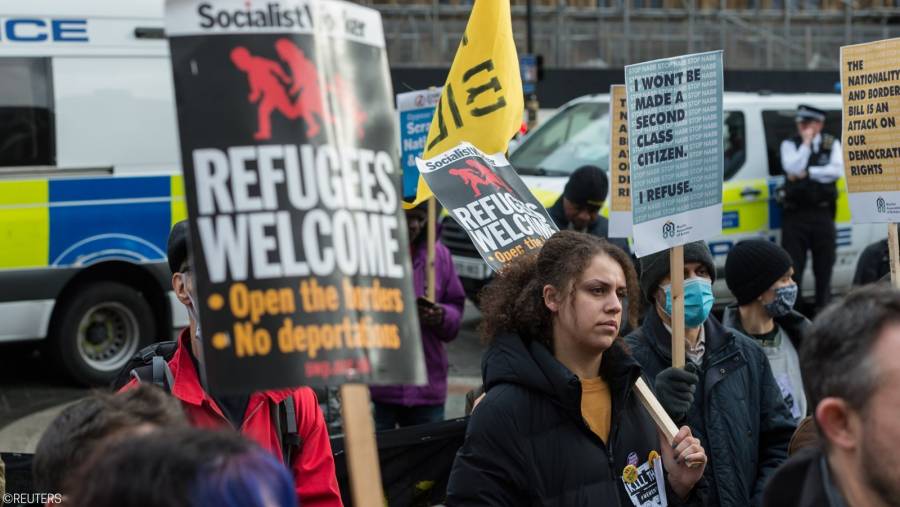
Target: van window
(735, 142)
(26, 112)
(780, 125)
(577, 136)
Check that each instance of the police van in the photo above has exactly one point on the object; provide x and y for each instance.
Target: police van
(754, 125)
(90, 182)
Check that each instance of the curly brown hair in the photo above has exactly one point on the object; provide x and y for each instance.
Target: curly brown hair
(514, 301)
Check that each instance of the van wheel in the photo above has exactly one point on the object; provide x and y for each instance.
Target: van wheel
(98, 329)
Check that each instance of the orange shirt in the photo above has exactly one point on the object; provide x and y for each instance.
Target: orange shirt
(596, 406)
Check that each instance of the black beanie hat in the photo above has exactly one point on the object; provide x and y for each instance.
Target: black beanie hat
(753, 266)
(655, 267)
(177, 247)
(588, 185)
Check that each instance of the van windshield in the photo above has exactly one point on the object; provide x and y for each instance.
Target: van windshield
(576, 136)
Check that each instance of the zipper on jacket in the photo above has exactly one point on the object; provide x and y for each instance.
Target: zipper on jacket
(614, 432)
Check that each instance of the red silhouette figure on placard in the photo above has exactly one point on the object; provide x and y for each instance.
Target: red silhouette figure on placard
(266, 80)
(478, 175)
(305, 81)
(295, 94)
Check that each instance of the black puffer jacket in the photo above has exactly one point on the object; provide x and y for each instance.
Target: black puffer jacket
(739, 413)
(527, 442)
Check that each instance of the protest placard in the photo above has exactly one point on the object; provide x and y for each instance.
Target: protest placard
(490, 202)
(870, 91)
(416, 110)
(675, 150)
(619, 174)
(288, 140)
(870, 88)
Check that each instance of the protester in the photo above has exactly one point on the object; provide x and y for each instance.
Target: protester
(439, 321)
(184, 468)
(758, 273)
(255, 415)
(579, 206)
(851, 369)
(874, 264)
(560, 424)
(85, 425)
(738, 411)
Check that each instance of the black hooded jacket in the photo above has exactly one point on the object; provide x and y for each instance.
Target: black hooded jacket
(528, 444)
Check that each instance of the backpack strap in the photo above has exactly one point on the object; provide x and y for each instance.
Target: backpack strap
(157, 373)
(284, 419)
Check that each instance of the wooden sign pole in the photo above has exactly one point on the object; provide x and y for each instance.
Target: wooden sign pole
(676, 277)
(665, 423)
(894, 249)
(432, 237)
(362, 452)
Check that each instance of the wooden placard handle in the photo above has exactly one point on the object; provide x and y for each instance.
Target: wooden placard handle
(359, 443)
(430, 290)
(894, 249)
(665, 423)
(676, 276)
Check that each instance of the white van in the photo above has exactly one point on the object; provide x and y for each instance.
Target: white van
(754, 126)
(90, 182)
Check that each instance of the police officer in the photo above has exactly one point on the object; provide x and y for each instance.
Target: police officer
(812, 162)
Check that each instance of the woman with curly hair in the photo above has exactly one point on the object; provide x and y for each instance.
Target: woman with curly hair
(560, 424)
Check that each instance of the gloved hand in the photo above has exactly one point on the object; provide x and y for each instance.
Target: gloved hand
(675, 391)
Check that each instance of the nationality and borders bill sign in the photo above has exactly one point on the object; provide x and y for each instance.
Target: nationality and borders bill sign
(288, 141)
(675, 150)
(416, 110)
(620, 224)
(870, 89)
(489, 201)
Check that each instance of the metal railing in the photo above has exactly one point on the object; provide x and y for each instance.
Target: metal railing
(755, 34)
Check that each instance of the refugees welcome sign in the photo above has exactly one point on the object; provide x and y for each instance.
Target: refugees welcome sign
(488, 199)
(288, 143)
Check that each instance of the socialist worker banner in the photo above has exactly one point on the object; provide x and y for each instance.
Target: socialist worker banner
(487, 198)
(288, 141)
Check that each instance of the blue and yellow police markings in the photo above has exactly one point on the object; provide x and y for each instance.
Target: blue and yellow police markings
(24, 224)
(81, 221)
(745, 207)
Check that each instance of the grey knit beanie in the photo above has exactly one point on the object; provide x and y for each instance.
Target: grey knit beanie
(655, 267)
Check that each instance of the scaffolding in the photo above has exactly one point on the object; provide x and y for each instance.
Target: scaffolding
(755, 34)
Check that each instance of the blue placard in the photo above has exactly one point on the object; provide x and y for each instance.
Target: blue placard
(528, 69)
(416, 111)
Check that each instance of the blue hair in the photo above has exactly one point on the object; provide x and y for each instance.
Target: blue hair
(252, 479)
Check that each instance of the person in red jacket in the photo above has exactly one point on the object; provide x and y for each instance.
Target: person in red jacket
(312, 463)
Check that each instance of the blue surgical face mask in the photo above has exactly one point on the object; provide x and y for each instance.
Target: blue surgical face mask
(698, 301)
(785, 297)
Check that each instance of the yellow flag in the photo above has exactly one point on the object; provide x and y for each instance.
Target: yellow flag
(482, 99)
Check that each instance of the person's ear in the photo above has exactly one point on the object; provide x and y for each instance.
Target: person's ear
(839, 423)
(660, 296)
(550, 298)
(179, 286)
